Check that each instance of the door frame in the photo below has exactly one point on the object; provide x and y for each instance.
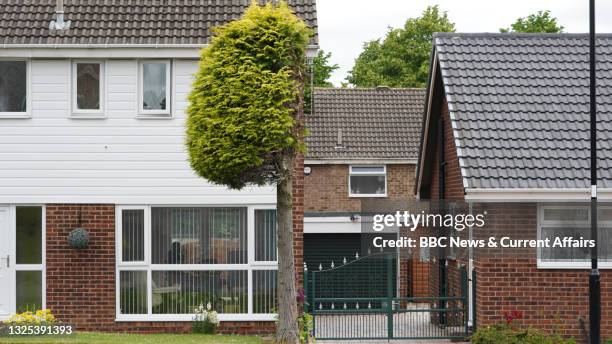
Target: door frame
(11, 274)
(12, 211)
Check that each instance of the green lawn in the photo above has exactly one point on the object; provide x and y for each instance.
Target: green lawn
(120, 338)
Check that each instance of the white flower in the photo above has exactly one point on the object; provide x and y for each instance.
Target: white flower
(208, 306)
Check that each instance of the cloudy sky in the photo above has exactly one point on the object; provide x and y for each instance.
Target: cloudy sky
(344, 25)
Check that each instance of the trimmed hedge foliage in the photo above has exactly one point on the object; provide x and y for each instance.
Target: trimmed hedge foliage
(246, 93)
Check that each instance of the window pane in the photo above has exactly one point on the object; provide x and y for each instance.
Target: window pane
(180, 292)
(265, 235)
(13, 86)
(29, 291)
(604, 214)
(565, 253)
(367, 169)
(88, 86)
(264, 291)
(199, 235)
(133, 292)
(29, 235)
(132, 235)
(154, 86)
(566, 214)
(368, 185)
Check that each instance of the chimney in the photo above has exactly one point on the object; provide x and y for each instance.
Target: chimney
(59, 23)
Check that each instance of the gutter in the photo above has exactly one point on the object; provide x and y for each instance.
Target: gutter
(359, 161)
(114, 46)
(535, 195)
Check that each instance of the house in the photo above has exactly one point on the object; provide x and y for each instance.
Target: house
(92, 112)
(507, 129)
(362, 146)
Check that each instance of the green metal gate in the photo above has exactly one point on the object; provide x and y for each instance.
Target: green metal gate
(376, 316)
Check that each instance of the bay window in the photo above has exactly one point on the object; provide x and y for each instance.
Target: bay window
(171, 259)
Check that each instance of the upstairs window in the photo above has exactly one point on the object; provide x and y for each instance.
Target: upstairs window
(154, 88)
(368, 181)
(87, 87)
(13, 88)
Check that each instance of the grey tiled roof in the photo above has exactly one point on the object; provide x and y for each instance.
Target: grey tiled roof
(520, 106)
(376, 123)
(126, 21)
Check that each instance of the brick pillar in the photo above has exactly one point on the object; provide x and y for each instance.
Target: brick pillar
(81, 282)
(298, 219)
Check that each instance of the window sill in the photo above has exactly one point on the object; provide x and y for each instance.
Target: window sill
(154, 116)
(368, 196)
(14, 115)
(571, 266)
(189, 317)
(87, 116)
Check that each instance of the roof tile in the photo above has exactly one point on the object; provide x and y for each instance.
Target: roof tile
(521, 106)
(376, 123)
(127, 22)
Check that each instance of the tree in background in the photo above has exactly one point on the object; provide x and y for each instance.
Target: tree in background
(245, 122)
(538, 22)
(321, 71)
(402, 58)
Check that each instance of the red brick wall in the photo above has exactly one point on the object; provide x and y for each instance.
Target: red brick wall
(298, 220)
(326, 188)
(550, 299)
(453, 183)
(81, 283)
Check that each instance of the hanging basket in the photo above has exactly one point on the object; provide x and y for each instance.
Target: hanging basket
(78, 238)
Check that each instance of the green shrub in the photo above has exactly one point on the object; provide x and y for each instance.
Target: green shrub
(306, 326)
(505, 334)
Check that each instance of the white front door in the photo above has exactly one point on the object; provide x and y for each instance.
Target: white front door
(7, 264)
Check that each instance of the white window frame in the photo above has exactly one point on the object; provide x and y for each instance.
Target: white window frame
(88, 113)
(143, 113)
(543, 223)
(28, 112)
(351, 173)
(252, 261)
(149, 267)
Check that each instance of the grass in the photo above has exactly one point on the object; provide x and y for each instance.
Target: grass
(122, 338)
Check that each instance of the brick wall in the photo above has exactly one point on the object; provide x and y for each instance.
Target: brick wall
(453, 183)
(326, 188)
(550, 299)
(298, 220)
(81, 283)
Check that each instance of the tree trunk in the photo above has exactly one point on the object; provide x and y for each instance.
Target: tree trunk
(287, 327)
